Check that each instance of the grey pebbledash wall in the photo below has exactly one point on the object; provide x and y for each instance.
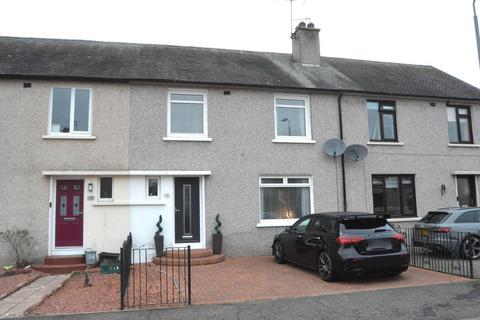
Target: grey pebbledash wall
(242, 128)
(25, 193)
(130, 120)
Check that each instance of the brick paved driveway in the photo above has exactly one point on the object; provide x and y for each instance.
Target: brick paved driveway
(260, 278)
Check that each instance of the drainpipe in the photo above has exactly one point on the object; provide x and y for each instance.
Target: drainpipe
(477, 34)
(344, 188)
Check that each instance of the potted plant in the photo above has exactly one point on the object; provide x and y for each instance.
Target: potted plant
(217, 237)
(159, 238)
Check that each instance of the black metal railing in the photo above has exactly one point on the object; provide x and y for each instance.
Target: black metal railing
(442, 250)
(125, 267)
(158, 281)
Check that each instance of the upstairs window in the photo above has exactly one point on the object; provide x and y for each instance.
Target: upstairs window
(382, 121)
(292, 119)
(70, 111)
(187, 115)
(459, 124)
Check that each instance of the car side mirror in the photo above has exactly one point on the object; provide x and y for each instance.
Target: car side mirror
(289, 229)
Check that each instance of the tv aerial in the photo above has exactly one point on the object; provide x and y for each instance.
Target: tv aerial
(334, 147)
(356, 152)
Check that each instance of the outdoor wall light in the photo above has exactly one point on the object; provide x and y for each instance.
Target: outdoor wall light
(443, 189)
(90, 187)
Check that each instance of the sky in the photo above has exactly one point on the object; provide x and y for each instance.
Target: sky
(433, 32)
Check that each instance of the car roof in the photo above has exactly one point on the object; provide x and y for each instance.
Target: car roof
(349, 214)
(455, 209)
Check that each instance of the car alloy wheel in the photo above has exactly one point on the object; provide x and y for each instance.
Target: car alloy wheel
(278, 252)
(471, 247)
(325, 266)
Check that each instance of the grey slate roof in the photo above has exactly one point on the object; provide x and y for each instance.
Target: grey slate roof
(84, 60)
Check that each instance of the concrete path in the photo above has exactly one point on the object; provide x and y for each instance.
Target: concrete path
(17, 303)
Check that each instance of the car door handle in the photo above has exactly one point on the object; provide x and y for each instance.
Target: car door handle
(299, 236)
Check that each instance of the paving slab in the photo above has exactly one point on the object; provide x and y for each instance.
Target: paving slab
(17, 303)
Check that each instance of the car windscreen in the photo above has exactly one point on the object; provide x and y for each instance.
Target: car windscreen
(434, 217)
(365, 225)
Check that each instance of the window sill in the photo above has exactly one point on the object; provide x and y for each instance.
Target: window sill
(126, 203)
(282, 140)
(385, 143)
(406, 219)
(187, 139)
(69, 137)
(269, 223)
(463, 145)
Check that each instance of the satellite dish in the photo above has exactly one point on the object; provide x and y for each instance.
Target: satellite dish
(334, 147)
(356, 152)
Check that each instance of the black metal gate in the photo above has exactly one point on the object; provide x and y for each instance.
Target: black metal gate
(150, 281)
(441, 250)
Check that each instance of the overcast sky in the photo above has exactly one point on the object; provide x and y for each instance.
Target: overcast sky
(435, 32)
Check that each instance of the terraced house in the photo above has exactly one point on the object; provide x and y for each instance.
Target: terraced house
(99, 139)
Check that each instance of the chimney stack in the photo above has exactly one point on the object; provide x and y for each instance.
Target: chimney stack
(306, 44)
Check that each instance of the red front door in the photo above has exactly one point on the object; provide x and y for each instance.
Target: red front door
(69, 214)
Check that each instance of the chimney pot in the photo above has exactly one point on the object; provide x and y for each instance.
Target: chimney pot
(306, 44)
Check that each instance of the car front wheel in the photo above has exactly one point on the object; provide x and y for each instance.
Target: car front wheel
(471, 247)
(325, 266)
(278, 252)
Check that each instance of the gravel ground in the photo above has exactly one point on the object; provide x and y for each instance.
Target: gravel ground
(10, 284)
(74, 297)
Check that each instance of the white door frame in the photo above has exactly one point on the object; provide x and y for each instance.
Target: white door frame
(202, 243)
(52, 249)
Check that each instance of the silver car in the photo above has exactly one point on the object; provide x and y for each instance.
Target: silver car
(455, 230)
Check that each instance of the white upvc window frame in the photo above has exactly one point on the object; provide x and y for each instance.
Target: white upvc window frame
(100, 188)
(282, 222)
(188, 136)
(72, 133)
(308, 130)
(147, 195)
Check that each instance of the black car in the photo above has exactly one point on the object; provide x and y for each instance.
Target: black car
(337, 244)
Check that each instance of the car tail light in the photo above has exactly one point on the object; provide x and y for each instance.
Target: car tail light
(349, 240)
(399, 236)
(443, 230)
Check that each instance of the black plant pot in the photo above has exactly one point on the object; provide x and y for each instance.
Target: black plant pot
(159, 245)
(217, 239)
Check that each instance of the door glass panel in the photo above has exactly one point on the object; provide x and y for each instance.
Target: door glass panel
(76, 205)
(63, 206)
(187, 209)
